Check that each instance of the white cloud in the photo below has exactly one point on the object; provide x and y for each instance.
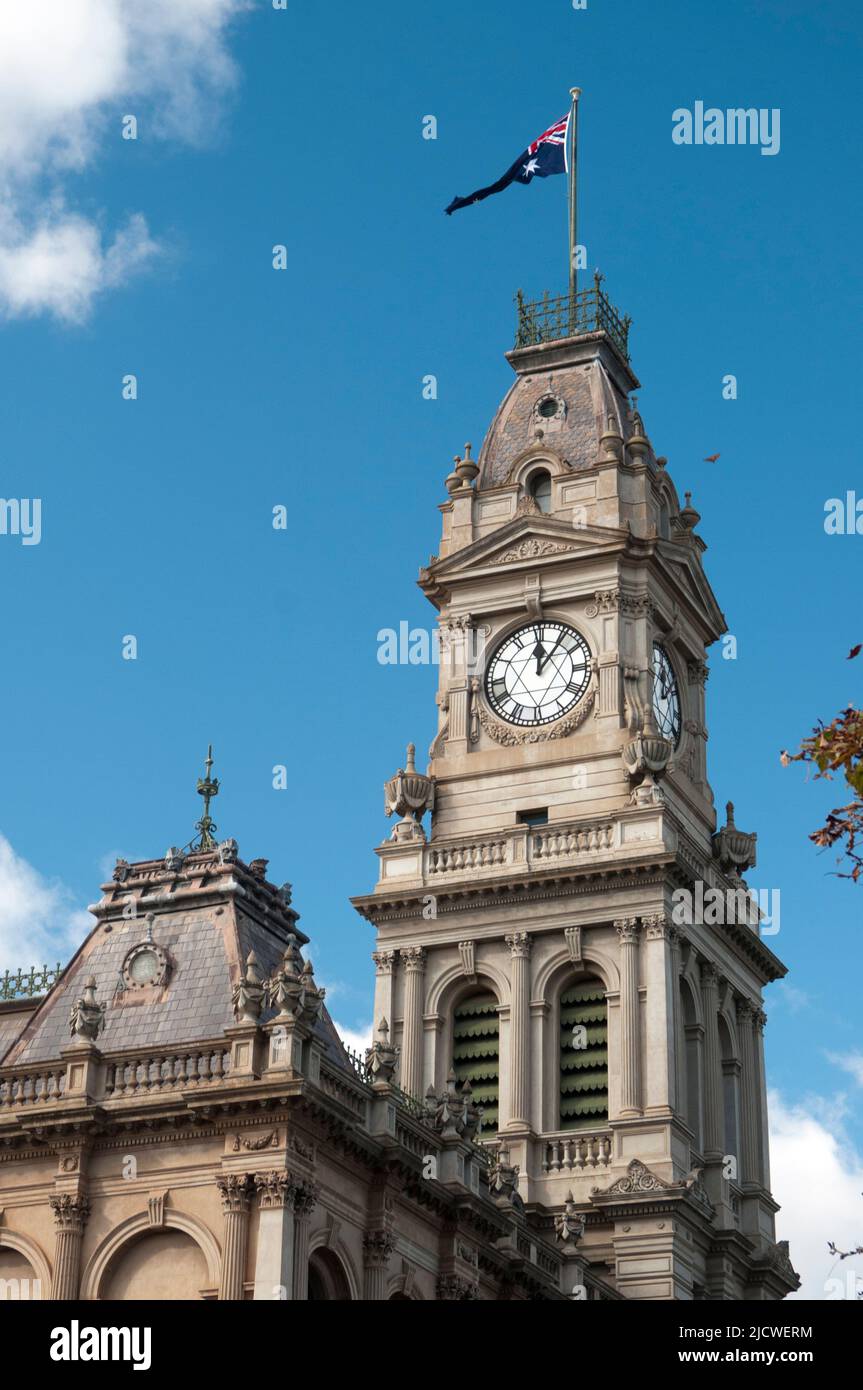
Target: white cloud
(39, 923)
(358, 1039)
(852, 1062)
(817, 1178)
(61, 265)
(69, 71)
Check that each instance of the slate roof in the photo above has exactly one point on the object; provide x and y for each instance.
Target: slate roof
(590, 396)
(206, 943)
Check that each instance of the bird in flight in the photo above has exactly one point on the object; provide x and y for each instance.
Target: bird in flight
(855, 651)
(712, 458)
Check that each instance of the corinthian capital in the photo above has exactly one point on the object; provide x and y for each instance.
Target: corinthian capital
(70, 1212)
(275, 1189)
(414, 959)
(235, 1190)
(519, 944)
(627, 929)
(384, 961)
(657, 927)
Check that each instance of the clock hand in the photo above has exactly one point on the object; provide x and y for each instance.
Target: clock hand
(549, 655)
(539, 653)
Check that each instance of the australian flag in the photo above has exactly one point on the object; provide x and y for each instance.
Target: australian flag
(545, 156)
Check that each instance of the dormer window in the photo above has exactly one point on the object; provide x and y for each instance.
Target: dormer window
(539, 488)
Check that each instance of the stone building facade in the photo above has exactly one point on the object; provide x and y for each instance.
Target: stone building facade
(565, 1098)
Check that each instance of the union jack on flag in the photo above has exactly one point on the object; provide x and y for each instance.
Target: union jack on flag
(546, 155)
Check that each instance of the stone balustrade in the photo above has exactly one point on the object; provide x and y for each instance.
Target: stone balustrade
(29, 1087)
(156, 1072)
(533, 848)
(573, 1150)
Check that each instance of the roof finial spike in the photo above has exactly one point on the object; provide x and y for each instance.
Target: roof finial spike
(208, 787)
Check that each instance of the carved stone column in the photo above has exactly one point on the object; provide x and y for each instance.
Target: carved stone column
(275, 1265)
(519, 945)
(304, 1205)
(377, 1248)
(385, 972)
(630, 1049)
(677, 943)
(70, 1217)
(759, 1022)
(750, 1164)
(236, 1193)
(714, 1142)
(660, 981)
(414, 960)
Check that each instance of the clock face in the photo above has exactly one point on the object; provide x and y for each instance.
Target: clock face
(538, 673)
(666, 696)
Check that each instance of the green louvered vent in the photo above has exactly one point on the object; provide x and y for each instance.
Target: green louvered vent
(583, 1056)
(476, 1053)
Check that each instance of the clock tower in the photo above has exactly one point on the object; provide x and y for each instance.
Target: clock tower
(546, 945)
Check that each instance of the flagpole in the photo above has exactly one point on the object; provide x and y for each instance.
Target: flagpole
(575, 93)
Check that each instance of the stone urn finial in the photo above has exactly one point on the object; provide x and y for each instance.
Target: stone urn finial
(87, 1016)
(568, 1225)
(734, 849)
(409, 794)
(248, 994)
(381, 1057)
(646, 757)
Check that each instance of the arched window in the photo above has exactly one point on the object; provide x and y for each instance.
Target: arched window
(166, 1265)
(730, 1094)
(476, 1053)
(664, 521)
(539, 488)
(583, 1055)
(690, 1065)
(327, 1279)
(18, 1279)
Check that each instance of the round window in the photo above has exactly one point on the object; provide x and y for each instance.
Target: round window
(548, 408)
(144, 967)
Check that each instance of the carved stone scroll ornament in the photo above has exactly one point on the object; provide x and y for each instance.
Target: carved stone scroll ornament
(638, 1178)
(532, 550)
(473, 709)
(510, 737)
(437, 745)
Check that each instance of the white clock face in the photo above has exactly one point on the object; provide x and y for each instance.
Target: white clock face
(666, 696)
(538, 673)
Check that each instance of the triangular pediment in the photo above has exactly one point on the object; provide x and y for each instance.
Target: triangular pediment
(683, 572)
(528, 540)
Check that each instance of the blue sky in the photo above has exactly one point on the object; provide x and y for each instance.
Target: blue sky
(304, 388)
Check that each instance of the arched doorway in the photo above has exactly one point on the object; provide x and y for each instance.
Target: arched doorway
(327, 1279)
(162, 1265)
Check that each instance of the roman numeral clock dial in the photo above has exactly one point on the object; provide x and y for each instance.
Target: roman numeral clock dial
(538, 673)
